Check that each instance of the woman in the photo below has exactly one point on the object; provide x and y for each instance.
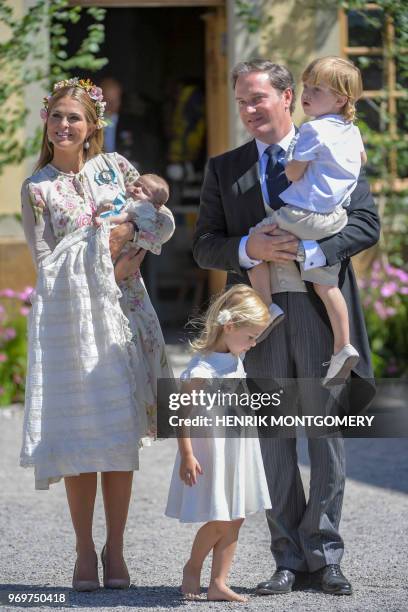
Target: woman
(95, 351)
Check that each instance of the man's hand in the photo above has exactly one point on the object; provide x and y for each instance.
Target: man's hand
(269, 243)
(119, 236)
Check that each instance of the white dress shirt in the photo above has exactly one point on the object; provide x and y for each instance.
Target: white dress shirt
(333, 147)
(314, 256)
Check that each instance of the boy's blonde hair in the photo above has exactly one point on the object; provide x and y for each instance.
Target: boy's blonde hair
(342, 76)
(244, 307)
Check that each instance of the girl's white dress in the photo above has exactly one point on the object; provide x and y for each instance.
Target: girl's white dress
(233, 483)
(95, 348)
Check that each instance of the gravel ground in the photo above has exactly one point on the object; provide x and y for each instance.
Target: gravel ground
(37, 543)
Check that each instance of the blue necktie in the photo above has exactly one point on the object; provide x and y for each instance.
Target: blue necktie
(276, 180)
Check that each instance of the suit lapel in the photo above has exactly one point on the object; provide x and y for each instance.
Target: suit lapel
(247, 185)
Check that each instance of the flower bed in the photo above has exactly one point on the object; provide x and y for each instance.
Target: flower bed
(385, 302)
(13, 344)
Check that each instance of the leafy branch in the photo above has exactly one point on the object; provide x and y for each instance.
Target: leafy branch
(34, 50)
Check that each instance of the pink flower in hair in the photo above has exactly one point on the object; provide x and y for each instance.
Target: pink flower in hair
(44, 115)
(96, 93)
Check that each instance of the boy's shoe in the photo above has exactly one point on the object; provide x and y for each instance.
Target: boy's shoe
(277, 316)
(340, 366)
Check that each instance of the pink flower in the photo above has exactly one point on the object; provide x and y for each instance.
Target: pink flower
(10, 333)
(25, 294)
(84, 220)
(8, 293)
(380, 310)
(3, 357)
(96, 93)
(404, 290)
(44, 115)
(390, 311)
(402, 275)
(24, 310)
(389, 289)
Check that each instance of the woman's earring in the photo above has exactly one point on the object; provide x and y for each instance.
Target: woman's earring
(86, 145)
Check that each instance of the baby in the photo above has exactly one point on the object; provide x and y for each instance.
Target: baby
(144, 206)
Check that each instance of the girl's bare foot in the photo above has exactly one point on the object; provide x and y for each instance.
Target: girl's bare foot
(190, 587)
(220, 592)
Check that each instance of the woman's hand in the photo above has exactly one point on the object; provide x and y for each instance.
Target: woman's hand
(189, 469)
(128, 263)
(119, 236)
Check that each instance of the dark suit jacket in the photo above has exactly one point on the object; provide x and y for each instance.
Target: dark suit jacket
(231, 203)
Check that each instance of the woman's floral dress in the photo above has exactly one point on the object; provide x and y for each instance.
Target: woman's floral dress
(56, 204)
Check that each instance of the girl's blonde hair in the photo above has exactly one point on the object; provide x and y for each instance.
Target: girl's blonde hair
(342, 76)
(243, 306)
(95, 139)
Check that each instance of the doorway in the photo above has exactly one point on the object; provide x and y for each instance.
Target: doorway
(171, 63)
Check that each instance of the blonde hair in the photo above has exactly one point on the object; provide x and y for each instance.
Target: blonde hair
(342, 76)
(95, 139)
(245, 307)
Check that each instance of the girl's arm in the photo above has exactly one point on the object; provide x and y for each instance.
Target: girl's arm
(189, 466)
(295, 169)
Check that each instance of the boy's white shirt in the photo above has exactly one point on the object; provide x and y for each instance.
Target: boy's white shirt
(314, 256)
(333, 147)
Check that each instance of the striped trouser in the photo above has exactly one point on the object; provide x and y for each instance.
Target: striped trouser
(304, 536)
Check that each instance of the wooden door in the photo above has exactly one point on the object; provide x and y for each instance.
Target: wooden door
(217, 83)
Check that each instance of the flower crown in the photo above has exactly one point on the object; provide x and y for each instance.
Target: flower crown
(94, 92)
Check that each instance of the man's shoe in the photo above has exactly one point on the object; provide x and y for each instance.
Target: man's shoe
(331, 580)
(282, 581)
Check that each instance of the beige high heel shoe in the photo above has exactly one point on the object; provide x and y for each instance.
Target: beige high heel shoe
(113, 583)
(85, 585)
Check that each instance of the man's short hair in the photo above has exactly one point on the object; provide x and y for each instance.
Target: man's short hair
(279, 76)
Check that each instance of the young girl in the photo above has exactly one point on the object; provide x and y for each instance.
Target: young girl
(324, 169)
(217, 480)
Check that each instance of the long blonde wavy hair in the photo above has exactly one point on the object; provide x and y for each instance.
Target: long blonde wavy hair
(95, 139)
(245, 306)
(341, 76)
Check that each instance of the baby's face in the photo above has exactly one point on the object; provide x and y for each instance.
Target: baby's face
(144, 189)
(148, 189)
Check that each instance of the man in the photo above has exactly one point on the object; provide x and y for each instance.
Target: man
(132, 135)
(304, 537)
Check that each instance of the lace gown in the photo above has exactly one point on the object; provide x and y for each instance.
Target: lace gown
(95, 350)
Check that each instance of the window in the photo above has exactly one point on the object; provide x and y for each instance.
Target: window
(372, 37)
